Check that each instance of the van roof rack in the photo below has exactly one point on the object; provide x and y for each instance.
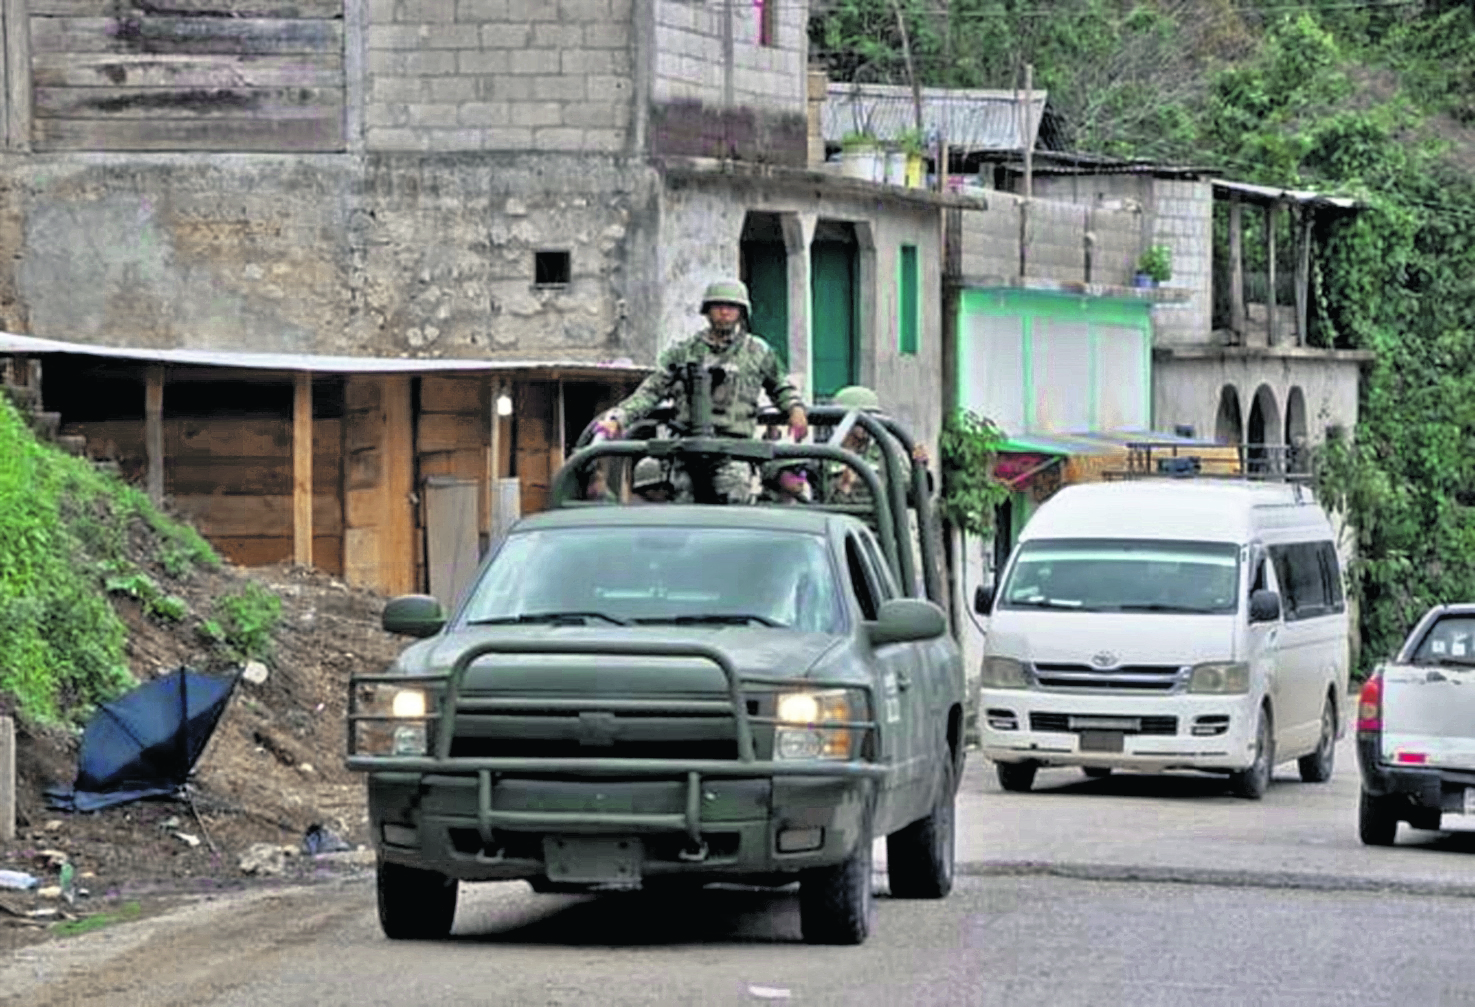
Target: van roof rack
(1278, 463)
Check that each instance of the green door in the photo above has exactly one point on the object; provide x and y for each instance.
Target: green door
(766, 271)
(832, 278)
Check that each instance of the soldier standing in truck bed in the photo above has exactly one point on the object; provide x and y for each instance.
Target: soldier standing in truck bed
(742, 364)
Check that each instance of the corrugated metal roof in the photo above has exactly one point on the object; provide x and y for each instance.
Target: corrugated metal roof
(972, 119)
(11, 343)
(1270, 194)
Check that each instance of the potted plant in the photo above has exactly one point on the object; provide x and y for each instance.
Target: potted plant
(1155, 266)
(914, 146)
(860, 156)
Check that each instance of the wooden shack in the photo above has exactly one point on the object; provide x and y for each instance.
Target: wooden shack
(393, 474)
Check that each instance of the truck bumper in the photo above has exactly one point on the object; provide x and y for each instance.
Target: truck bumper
(1430, 790)
(476, 828)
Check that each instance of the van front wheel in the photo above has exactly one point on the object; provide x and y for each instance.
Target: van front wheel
(1252, 781)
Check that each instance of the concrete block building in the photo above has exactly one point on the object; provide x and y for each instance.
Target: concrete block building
(415, 245)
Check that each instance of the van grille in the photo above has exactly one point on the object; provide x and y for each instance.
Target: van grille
(1060, 722)
(1127, 678)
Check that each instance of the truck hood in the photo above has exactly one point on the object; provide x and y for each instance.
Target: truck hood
(758, 650)
(1059, 637)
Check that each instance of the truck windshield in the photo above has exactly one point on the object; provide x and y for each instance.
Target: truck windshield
(654, 575)
(1124, 575)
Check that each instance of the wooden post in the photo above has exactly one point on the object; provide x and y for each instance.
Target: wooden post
(302, 470)
(494, 463)
(1236, 269)
(7, 779)
(397, 546)
(1029, 130)
(153, 430)
(1272, 219)
(1303, 272)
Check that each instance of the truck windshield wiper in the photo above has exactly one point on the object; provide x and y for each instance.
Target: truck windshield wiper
(715, 619)
(536, 617)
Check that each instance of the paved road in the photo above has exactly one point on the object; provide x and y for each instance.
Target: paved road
(1132, 890)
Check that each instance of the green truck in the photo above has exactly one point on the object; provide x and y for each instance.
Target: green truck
(671, 694)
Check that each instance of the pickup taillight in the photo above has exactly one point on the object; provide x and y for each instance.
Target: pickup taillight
(1370, 705)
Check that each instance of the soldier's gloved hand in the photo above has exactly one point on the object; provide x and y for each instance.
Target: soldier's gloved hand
(798, 424)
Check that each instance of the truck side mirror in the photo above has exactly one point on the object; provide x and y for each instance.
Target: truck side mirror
(904, 620)
(983, 600)
(1264, 606)
(413, 615)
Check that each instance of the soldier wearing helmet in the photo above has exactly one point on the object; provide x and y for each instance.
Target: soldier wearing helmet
(651, 483)
(742, 364)
(785, 482)
(847, 486)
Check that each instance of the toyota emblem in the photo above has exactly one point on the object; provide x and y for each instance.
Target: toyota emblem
(1105, 659)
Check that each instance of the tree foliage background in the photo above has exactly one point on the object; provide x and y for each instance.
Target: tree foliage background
(1370, 98)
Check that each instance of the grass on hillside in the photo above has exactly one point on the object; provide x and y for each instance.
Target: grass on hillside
(64, 528)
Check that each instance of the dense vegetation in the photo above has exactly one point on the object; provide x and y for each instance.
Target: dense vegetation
(1370, 98)
(64, 546)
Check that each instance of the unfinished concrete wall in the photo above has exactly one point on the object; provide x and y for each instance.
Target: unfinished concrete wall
(719, 89)
(393, 254)
(1187, 386)
(526, 75)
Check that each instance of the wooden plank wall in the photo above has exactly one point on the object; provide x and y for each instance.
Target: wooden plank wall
(233, 478)
(379, 539)
(535, 405)
(452, 433)
(216, 75)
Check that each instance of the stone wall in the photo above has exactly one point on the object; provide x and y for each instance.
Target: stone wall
(524, 75)
(424, 255)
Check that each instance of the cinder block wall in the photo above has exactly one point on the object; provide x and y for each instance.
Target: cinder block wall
(526, 75)
(690, 47)
(1055, 241)
(1183, 219)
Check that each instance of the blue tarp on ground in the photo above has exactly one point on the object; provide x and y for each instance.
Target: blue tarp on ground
(146, 742)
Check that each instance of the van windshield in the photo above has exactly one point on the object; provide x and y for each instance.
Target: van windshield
(1124, 575)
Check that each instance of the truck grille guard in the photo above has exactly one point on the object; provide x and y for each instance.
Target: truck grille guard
(693, 770)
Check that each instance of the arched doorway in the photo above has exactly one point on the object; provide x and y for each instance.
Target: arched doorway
(1229, 428)
(1298, 451)
(1262, 433)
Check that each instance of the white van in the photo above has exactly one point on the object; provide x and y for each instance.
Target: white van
(1167, 624)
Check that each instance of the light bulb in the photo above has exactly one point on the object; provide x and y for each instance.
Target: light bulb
(504, 405)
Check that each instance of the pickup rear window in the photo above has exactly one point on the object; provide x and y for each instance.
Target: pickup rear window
(1449, 641)
(662, 575)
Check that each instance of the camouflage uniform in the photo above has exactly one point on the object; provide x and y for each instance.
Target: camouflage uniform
(747, 365)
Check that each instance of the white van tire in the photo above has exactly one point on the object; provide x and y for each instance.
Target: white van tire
(1252, 781)
(1317, 767)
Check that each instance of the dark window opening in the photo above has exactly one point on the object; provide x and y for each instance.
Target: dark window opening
(767, 11)
(551, 269)
(865, 594)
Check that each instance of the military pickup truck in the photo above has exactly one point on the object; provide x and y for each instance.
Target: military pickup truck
(671, 694)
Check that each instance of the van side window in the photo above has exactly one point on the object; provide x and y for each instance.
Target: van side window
(865, 593)
(1303, 587)
(1331, 571)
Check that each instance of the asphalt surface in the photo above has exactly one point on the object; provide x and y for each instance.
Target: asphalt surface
(1130, 890)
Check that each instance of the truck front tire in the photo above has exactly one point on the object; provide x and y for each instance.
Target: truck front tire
(836, 903)
(414, 904)
(919, 858)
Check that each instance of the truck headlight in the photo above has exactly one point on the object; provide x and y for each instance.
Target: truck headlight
(1220, 677)
(1003, 673)
(808, 710)
(395, 719)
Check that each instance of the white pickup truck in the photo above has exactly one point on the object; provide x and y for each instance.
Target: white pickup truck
(1416, 729)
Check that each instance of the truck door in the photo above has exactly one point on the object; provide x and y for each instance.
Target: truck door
(897, 702)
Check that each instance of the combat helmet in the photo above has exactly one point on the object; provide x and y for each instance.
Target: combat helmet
(648, 473)
(857, 397)
(727, 292)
